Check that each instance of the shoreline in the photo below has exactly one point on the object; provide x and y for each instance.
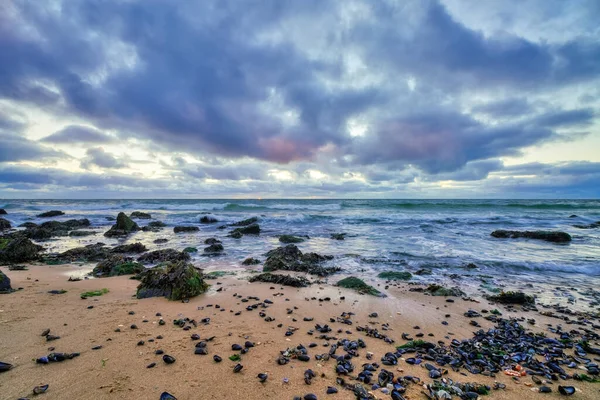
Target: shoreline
(118, 369)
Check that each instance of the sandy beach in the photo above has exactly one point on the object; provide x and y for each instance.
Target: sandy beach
(119, 368)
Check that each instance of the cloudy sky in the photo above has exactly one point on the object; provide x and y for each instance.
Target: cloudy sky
(303, 98)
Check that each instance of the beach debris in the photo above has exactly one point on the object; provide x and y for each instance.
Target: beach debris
(56, 357)
(566, 390)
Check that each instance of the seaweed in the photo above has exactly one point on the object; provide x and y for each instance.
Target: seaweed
(359, 285)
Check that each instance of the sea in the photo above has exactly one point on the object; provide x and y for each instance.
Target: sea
(437, 236)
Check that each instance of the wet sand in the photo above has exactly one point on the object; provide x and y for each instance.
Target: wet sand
(118, 370)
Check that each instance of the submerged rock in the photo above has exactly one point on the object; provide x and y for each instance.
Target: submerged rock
(129, 248)
(250, 261)
(338, 236)
(18, 249)
(214, 248)
(5, 283)
(291, 239)
(253, 229)
(140, 215)
(81, 233)
(287, 280)
(512, 298)
(290, 258)
(183, 229)
(212, 241)
(116, 265)
(549, 236)
(4, 224)
(50, 214)
(123, 227)
(593, 225)
(175, 281)
(395, 275)
(208, 219)
(164, 255)
(245, 222)
(359, 285)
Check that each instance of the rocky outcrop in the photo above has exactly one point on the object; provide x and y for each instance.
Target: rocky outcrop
(140, 215)
(215, 248)
(291, 239)
(438, 290)
(50, 214)
(116, 265)
(286, 280)
(4, 224)
(175, 281)
(123, 227)
(252, 229)
(164, 255)
(154, 226)
(290, 258)
(130, 248)
(185, 229)
(18, 249)
(245, 222)
(3, 211)
(81, 233)
(549, 236)
(5, 283)
(512, 298)
(359, 285)
(51, 229)
(208, 219)
(92, 252)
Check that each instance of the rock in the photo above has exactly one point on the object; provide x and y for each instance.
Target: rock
(190, 250)
(129, 248)
(593, 225)
(164, 255)
(290, 239)
(424, 271)
(123, 227)
(4, 224)
(116, 265)
(278, 279)
(290, 258)
(175, 281)
(338, 236)
(18, 249)
(140, 215)
(183, 229)
(245, 222)
(214, 248)
(50, 214)
(28, 225)
(208, 219)
(92, 252)
(3, 211)
(395, 275)
(549, 236)
(5, 283)
(250, 261)
(512, 298)
(438, 290)
(51, 229)
(154, 226)
(253, 229)
(212, 241)
(81, 233)
(236, 235)
(359, 285)
(160, 241)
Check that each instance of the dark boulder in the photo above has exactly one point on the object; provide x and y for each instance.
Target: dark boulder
(50, 214)
(278, 279)
(184, 229)
(51, 229)
(92, 252)
(140, 215)
(250, 261)
(123, 227)
(154, 226)
(549, 236)
(338, 236)
(359, 285)
(18, 249)
(208, 219)
(245, 222)
(212, 241)
(129, 248)
(175, 281)
(5, 283)
(593, 225)
(291, 239)
(81, 233)
(512, 298)
(28, 225)
(290, 258)
(235, 234)
(253, 229)
(214, 248)
(3, 211)
(164, 255)
(4, 224)
(438, 290)
(160, 241)
(116, 265)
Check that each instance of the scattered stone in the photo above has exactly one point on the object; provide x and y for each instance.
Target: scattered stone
(438, 290)
(512, 298)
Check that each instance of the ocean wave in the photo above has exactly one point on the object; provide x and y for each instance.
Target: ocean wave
(475, 204)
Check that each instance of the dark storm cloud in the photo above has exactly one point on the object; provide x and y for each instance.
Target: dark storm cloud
(99, 157)
(512, 107)
(16, 148)
(77, 134)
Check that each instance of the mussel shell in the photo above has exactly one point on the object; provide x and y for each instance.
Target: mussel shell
(167, 396)
(168, 359)
(217, 358)
(566, 390)
(545, 389)
(40, 389)
(238, 368)
(262, 377)
(5, 366)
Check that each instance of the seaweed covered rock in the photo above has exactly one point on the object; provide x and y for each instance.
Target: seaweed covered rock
(5, 283)
(51, 229)
(50, 214)
(81, 233)
(245, 222)
(28, 225)
(18, 249)
(154, 226)
(123, 227)
(136, 247)
(215, 248)
(250, 261)
(511, 298)
(3, 211)
(286, 280)
(91, 252)
(359, 285)
(438, 290)
(140, 215)
(291, 239)
(549, 236)
(208, 219)
(116, 265)
(163, 255)
(4, 224)
(252, 229)
(175, 281)
(185, 229)
(395, 275)
(290, 258)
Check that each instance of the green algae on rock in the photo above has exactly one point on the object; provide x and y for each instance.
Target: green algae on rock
(395, 275)
(286, 280)
(359, 285)
(175, 281)
(123, 227)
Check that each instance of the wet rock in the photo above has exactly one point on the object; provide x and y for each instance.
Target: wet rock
(129, 248)
(250, 261)
(212, 241)
(140, 215)
(3, 211)
(4, 224)
(190, 250)
(286, 280)
(208, 219)
(117, 265)
(81, 233)
(18, 249)
(245, 222)
(290, 258)
(50, 214)
(395, 275)
(512, 298)
(160, 241)
(549, 236)
(163, 255)
(5, 283)
(28, 225)
(359, 285)
(593, 225)
(338, 236)
(291, 239)
(438, 290)
(253, 229)
(175, 281)
(123, 227)
(185, 229)
(214, 248)
(50, 229)
(154, 226)
(92, 252)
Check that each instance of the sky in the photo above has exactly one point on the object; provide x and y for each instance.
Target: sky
(299, 99)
